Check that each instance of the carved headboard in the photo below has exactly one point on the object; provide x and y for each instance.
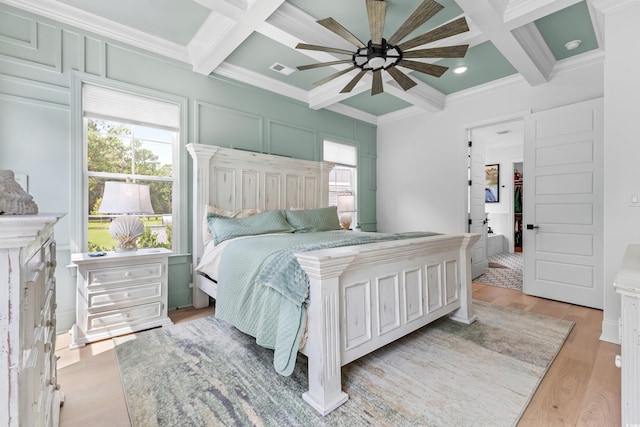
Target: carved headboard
(234, 179)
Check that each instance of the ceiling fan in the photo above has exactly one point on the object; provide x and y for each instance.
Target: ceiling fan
(380, 54)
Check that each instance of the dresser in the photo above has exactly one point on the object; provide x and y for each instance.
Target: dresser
(28, 301)
(627, 284)
(119, 293)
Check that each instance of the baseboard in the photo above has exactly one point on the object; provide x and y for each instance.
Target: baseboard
(610, 331)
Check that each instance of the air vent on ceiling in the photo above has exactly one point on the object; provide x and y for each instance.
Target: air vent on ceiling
(503, 132)
(282, 69)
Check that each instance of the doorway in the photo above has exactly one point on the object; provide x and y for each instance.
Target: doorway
(500, 145)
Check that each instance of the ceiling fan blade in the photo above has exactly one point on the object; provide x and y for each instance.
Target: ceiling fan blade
(401, 78)
(333, 25)
(333, 76)
(322, 64)
(431, 69)
(354, 81)
(323, 48)
(377, 12)
(422, 14)
(447, 30)
(376, 86)
(438, 52)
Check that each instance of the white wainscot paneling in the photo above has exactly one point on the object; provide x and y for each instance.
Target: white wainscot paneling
(451, 276)
(272, 191)
(434, 288)
(357, 314)
(388, 303)
(224, 186)
(413, 294)
(250, 189)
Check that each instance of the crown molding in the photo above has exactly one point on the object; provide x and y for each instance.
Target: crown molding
(263, 82)
(78, 18)
(354, 113)
(608, 6)
(276, 86)
(400, 115)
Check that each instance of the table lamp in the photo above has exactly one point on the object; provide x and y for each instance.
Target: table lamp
(346, 205)
(129, 200)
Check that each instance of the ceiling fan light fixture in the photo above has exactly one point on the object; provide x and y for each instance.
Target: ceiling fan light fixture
(379, 54)
(460, 70)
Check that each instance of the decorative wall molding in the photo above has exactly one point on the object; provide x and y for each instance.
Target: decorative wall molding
(34, 92)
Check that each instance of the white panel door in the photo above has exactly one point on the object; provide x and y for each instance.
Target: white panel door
(477, 216)
(563, 209)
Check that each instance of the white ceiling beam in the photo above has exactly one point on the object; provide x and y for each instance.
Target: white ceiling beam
(225, 29)
(522, 48)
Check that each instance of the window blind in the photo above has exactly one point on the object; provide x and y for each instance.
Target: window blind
(340, 153)
(109, 104)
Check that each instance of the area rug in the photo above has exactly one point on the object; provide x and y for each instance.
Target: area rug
(207, 373)
(504, 270)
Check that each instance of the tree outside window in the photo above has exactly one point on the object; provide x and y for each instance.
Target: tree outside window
(131, 153)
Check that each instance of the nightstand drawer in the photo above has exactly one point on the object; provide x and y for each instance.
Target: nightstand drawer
(124, 317)
(107, 276)
(132, 295)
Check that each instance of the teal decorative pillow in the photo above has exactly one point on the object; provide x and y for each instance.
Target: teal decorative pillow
(223, 228)
(310, 220)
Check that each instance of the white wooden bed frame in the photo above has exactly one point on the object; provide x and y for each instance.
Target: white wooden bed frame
(361, 297)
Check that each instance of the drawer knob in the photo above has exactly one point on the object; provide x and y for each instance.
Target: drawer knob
(127, 295)
(128, 274)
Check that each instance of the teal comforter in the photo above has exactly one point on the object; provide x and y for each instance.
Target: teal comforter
(264, 292)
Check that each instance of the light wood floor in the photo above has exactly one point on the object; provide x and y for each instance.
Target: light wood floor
(581, 388)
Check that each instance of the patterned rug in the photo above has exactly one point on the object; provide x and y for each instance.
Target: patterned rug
(207, 373)
(504, 270)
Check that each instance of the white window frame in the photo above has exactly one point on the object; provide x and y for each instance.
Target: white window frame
(353, 167)
(78, 163)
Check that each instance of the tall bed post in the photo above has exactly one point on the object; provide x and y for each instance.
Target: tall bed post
(201, 155)
(323, 343)
(465, 313)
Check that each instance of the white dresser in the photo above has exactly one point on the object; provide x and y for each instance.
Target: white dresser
(627, 284)
(28, 301)
(120, 293)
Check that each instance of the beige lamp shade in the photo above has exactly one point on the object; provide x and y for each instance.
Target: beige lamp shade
(346, 203)
(125, 198)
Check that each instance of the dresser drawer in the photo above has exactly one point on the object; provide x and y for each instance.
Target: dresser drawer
(131, 295)
(124, 274)
(124, 317)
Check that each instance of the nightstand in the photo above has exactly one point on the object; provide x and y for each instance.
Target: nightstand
(119, 293)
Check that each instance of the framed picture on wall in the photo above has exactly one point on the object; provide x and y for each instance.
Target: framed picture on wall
(492, 183)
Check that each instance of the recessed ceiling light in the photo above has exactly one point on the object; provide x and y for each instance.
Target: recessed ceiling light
(460, 70)
(572, 44)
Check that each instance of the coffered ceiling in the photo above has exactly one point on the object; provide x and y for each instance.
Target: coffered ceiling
(510, 42)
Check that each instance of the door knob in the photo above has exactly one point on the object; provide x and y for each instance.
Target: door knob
(531, 226)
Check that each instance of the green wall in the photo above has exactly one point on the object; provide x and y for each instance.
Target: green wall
(39, 61)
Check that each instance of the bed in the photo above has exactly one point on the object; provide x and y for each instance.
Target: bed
(360, 297)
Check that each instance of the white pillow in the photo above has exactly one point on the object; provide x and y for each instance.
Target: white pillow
(206, 232)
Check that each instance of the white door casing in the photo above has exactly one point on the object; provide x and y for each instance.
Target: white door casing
(477, 216)
(563, 214)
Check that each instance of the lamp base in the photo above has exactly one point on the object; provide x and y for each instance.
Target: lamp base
(345, 221)
(126, 230)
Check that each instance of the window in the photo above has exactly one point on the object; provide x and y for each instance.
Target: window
(129, 138)
(342, 179)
